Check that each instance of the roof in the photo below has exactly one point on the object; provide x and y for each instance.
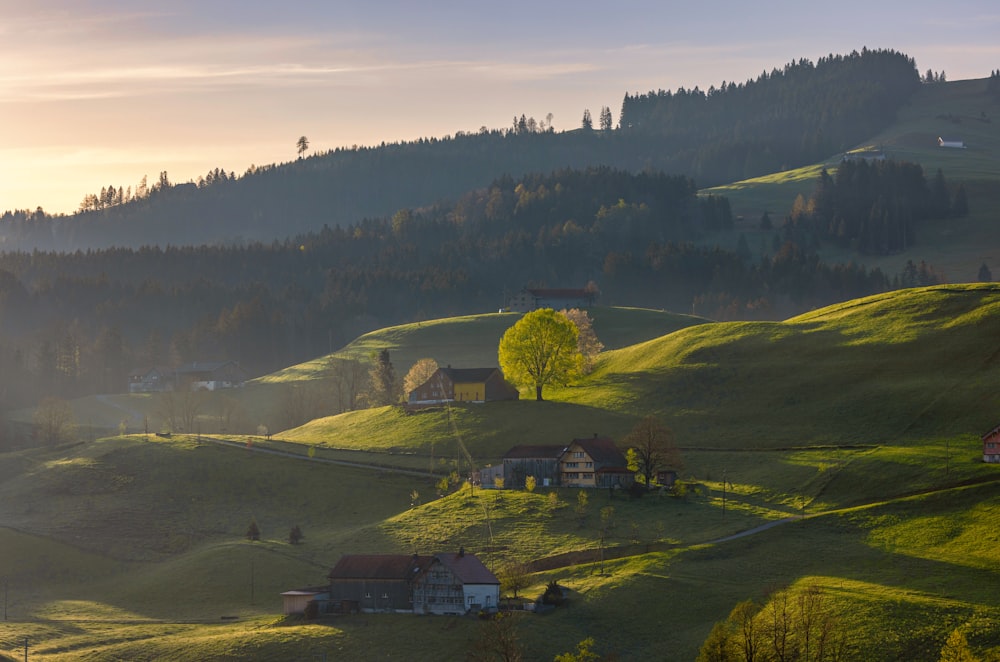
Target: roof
(467, 568)
(466, 375)
(306, 591)
(547, 452)
(991, 433)
(602, 450)
(378, 566)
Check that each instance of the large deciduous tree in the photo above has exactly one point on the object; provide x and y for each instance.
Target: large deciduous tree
(653, 443)
(540, 350)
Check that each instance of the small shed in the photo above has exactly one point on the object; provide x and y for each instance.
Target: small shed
(295, 602)
(953, 144)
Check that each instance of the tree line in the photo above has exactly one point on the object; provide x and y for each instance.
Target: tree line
(789, 116)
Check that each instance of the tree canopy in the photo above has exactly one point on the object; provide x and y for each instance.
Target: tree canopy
(540, 350)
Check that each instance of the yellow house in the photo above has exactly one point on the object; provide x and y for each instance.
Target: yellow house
(464, 385)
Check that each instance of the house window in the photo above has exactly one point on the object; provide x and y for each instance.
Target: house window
(472, 599)
(368, 594)
(588, 476)
(589, 465)
(578, 454)
(572, 465)
(385, 596)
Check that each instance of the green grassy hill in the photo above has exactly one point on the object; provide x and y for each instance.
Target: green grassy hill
(862, 417)
(960, 110)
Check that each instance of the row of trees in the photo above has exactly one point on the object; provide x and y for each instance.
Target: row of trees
(877, 207)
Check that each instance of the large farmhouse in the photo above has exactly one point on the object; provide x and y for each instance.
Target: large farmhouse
(594, 462)
(455, 584)
(450, 583)
(463, 385)
(589, 462)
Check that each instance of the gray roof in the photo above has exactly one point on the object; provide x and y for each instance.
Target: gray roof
(379, 566)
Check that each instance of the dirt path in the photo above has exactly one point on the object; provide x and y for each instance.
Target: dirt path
(323, 460)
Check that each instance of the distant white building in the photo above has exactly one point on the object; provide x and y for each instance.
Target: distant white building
(954, 144)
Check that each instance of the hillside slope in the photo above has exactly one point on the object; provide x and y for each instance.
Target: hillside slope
(928, 357)
(965, 110)
(883, 399)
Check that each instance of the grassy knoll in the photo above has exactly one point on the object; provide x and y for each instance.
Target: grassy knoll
(472, 341)
(889, 369)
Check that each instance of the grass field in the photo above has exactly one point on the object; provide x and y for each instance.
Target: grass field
(857, 423)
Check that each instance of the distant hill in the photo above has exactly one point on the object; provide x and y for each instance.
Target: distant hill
(785, 118)
(968, 110)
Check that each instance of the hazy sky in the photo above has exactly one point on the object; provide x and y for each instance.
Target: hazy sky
(101, 92)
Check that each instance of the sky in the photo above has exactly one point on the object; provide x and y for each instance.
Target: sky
(97, 93)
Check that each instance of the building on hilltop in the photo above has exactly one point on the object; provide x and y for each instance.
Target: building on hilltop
(463, 385)
(954, 144)
(530, 299)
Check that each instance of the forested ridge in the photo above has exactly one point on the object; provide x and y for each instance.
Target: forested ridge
(75, 323)
(798, 114)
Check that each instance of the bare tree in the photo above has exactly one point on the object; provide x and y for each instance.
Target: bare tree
(653, 443)
(348, 379)
(498, 641)
(53, 421)
(514, 577)
(586, 342)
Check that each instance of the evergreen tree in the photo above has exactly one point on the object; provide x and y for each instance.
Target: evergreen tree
(588, 122)
(382, 389)
(606, 120)
(985, 275)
